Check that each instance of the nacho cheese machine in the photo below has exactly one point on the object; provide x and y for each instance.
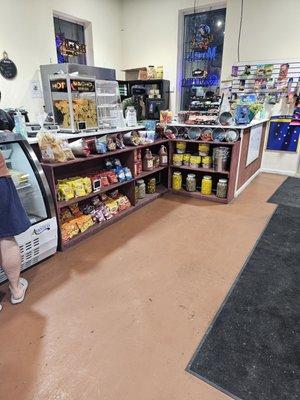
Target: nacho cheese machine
(40, 240)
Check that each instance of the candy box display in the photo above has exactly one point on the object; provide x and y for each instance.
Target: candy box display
(74, 102)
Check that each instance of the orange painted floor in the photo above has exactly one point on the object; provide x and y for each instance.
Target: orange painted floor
(119, 316)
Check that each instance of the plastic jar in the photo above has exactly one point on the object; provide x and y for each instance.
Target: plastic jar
(191, 183)
(222, 186)
(186, 159)
(180, 147)
(195, 161)
(206, 162)
(141, 188)
(151, 186)
(203, 149)
(177, 181)
(206, 185)
(177, 159)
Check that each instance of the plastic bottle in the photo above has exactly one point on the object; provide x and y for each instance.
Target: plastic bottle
(20, 125)
(163, 156)
(148, 161)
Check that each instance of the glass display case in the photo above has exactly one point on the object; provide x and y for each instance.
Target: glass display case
(109, 107)
(40, 240)
(73, 102)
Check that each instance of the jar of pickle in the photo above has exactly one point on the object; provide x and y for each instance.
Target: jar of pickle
(136, 193)
(151, 186)
(206, 185)
(195, 161)
(203, 149)
(177, 181)
(191, 183)
(186, 159)
(222, 188)
(206, 162)
(177, 159)
(180, 147)
(141, 188)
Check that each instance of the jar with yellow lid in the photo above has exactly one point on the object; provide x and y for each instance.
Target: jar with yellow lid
(177, 159)
(203, 149)
(176, 181)
(186, 159)
(206, 162)
(180, 147)
(195, 161)
(206, 185)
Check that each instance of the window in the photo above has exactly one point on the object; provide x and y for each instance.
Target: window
(202, 51)
(72, 32)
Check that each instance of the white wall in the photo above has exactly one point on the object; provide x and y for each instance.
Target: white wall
(27, 34)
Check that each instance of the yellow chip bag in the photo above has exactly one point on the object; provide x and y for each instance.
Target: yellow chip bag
(87, 185)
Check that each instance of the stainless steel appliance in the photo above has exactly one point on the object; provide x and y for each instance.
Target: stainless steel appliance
(69, 68)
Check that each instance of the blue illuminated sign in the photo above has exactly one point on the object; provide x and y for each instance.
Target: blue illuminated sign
(210, 80)
(209, 54)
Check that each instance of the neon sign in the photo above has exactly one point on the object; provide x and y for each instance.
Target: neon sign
(209, 54)
(210, 80)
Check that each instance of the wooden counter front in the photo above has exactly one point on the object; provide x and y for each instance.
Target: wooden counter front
(246, 171)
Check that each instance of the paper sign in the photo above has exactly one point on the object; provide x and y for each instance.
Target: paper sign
(36, 91)
(254, 144)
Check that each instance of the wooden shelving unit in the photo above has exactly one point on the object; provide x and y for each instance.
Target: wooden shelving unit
(82, 166)
(230, 174)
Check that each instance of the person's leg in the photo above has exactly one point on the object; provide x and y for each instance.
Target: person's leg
(11, 264)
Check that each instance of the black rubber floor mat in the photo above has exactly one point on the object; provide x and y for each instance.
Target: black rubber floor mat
(250, 352)
(288, 194)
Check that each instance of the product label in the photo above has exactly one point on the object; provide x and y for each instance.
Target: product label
(59, 85)
(47, 153)
(42, 228)
(164, 159)
(150, 164)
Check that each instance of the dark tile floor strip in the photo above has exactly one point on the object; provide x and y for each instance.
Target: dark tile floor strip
(288, 194)
(250, 351)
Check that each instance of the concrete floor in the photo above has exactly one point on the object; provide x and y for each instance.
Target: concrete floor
(120, 315)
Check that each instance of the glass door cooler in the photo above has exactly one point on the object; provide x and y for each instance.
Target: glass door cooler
(40, 240)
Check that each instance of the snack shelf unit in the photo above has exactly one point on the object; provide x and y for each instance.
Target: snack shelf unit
(81, 166)
(239, 175)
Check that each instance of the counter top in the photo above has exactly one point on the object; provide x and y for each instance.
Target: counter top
(88, 134)
(252, 123)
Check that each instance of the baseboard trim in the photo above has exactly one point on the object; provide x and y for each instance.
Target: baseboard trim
(279, 171)
(243, 187)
